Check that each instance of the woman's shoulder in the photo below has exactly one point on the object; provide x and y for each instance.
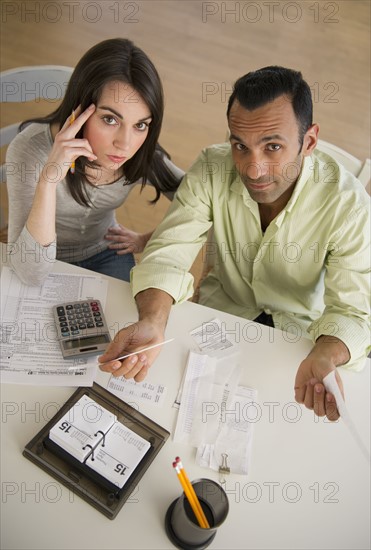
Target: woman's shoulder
(35, 138)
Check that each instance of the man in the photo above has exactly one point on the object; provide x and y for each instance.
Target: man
(291, 238)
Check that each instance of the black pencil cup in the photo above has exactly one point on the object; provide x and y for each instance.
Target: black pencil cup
(181, 524)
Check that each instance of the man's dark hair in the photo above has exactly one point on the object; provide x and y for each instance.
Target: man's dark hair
(260, 87)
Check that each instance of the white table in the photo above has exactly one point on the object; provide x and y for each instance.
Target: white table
(308, 488)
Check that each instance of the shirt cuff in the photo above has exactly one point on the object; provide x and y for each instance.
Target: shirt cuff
(353, 332)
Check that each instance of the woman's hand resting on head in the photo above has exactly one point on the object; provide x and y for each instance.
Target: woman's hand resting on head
(66, 148)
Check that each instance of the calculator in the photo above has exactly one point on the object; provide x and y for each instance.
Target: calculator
(81, 328)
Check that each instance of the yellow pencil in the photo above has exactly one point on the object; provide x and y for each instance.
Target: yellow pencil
(190, 494)
(72, 120)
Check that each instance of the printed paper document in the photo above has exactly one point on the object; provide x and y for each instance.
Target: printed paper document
(30, 352)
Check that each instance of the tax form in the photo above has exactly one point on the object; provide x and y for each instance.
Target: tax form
(30, 352)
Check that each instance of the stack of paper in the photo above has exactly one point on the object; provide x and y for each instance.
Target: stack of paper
(121, 453)
(82, 428)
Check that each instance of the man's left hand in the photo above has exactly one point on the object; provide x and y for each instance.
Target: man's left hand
(309, 388)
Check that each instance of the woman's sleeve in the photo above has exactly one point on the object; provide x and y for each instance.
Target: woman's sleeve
(31, 261)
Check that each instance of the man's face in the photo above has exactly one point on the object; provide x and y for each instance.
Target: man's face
(266, 149)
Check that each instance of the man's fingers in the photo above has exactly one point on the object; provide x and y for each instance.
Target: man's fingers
(300, 387)
(130, 367)
(109, 355)
(135, 371)
(319, 395)
(142, 373)
(309, 398)
(299, 394)
(110, 366)
(122, 341)
(119, 368)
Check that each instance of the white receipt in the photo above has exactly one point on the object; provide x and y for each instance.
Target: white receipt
(234, 438)
(140, 391)
(214, 412)
(211, 337)
(332, 386)
(194, 370)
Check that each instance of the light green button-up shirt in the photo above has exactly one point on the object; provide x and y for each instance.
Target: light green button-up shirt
(310, 269)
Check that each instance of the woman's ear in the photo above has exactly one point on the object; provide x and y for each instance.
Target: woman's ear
(310, 140)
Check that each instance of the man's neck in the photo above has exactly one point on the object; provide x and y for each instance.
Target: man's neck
(270, 210)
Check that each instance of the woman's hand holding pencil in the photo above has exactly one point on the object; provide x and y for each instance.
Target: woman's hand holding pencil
(72, 120)
(67, 148)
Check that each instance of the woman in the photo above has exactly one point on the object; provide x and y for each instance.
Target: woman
(71, 169)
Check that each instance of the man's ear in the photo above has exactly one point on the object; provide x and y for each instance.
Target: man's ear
(310, 140)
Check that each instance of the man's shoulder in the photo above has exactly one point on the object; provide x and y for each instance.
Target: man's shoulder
(218, 151)
(333, 171)
(336, 181)
(216, 165)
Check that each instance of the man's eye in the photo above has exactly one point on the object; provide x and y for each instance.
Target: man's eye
(273, 147)
(239, 146)
(110, 120)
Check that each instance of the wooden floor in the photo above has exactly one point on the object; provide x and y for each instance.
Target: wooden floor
(200, 49)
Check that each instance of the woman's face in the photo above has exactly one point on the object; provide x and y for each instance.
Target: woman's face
(118, 127)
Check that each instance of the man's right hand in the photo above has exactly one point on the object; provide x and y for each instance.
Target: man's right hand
(153, 307)
(128, 340)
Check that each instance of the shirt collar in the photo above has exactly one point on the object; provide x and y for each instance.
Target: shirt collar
(305, 173)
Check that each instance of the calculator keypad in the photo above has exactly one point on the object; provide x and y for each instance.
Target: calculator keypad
(77, 317)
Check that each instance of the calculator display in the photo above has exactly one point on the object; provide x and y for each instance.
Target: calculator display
(82, 342)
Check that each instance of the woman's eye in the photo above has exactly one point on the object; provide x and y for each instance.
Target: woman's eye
(110, 120)
(141, 126)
